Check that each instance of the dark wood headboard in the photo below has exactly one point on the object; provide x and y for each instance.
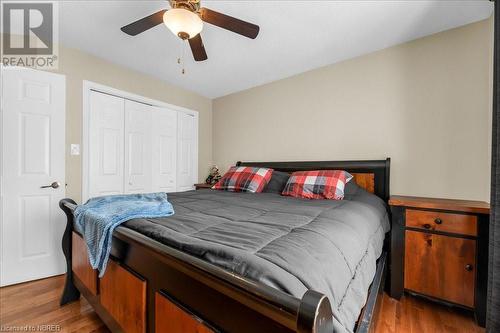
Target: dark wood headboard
(373, 176)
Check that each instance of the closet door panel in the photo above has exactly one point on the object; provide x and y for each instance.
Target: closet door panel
(164, 150)
(186, 151)
(106, 125)
(138, 122)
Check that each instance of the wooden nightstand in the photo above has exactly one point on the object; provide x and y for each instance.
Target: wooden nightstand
(439, 249)
(202, 186)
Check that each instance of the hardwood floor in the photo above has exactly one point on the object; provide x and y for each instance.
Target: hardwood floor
(37, 303)
(417, 315)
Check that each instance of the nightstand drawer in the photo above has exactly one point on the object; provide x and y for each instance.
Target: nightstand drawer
(446, 222)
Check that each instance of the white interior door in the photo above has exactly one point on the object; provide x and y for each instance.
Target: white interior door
(186, 152)
(137, 147)
(33, 151)
(106, 144)
(164, 145)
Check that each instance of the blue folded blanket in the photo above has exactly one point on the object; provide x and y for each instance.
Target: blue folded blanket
(99, 217)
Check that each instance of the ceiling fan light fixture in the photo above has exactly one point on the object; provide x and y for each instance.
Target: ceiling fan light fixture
(183, 23)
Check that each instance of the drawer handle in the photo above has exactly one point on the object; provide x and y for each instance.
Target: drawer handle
(438, 221)
(427, 226)
(468, 267)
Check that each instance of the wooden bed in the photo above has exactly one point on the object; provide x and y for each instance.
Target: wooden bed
(151, 287)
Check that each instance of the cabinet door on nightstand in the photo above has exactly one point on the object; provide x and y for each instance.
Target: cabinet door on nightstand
(440, 266)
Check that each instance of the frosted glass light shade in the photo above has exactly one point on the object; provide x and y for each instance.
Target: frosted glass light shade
(181, 21)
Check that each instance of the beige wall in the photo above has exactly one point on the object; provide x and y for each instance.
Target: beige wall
(79, 66)
(426, 104)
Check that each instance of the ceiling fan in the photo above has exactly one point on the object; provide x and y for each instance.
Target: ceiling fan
(185, 20)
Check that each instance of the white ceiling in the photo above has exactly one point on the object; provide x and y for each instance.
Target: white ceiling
(295, 36)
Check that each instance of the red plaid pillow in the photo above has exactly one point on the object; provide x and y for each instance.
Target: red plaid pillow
(318, 184)
(244, 179)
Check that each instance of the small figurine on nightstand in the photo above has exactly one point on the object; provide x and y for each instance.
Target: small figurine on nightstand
(214, 176)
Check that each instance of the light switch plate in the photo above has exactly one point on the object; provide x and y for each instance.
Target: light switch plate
(75, 149)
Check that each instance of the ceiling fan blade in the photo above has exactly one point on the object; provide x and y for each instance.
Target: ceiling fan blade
(144, 23)
(229, 23)
(198, 49)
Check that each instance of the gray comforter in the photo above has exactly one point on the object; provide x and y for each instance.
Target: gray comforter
(287, 243)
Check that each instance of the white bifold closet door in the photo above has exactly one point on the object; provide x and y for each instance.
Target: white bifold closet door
(106, 144)
(186, 143)
(164, 146)
(139, 148)
(138, 163)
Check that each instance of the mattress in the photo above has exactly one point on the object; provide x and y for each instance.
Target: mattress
(290, 244)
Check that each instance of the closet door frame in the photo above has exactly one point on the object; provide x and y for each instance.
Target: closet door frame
(89, 86)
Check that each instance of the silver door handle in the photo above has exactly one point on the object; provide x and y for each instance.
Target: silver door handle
(53, 185)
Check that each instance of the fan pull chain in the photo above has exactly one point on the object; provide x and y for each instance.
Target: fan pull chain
(180, 60)
(183, 58)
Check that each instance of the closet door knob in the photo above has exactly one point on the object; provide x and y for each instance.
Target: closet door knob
(468, 267)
